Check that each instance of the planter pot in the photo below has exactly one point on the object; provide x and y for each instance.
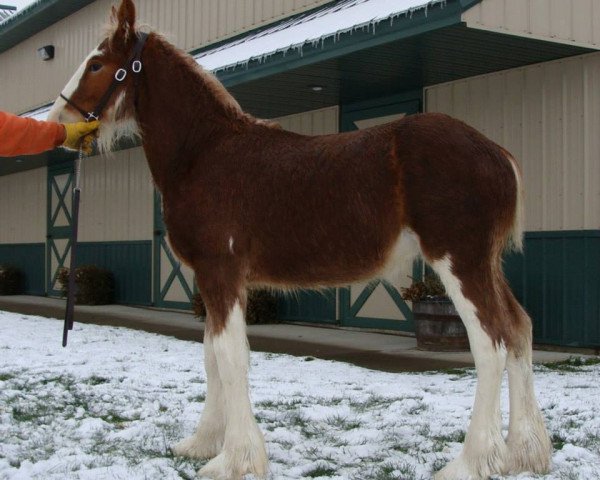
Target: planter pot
(438, 327)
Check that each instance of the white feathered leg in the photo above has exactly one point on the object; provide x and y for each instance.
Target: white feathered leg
(207, 441)
(244, 446)
(484, 449)
(529, 447)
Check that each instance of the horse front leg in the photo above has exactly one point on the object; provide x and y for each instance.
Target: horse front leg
(207, 441)
(243, 443)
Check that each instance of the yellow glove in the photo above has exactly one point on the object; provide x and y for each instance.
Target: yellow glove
(80, 133)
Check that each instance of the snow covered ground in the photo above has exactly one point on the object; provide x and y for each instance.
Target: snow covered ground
(109, 406)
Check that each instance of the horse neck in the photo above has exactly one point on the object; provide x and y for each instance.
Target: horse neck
(181, 110)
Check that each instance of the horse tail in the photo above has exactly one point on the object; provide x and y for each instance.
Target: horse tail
(515, 237)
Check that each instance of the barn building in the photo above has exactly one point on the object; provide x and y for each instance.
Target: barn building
(526, 73)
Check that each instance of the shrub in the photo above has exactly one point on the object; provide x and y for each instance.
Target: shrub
(94, 285)
(430, 288)
(11, 280)
(261, 308)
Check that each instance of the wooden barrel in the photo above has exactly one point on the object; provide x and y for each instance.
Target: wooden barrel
(438, 327)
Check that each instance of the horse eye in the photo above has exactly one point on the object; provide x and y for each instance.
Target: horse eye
(94, 67)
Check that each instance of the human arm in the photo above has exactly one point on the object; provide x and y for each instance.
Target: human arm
(27, 136)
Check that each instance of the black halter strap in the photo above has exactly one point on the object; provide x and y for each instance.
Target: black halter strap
(133, 63)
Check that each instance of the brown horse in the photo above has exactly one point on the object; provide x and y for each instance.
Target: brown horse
(248, 204)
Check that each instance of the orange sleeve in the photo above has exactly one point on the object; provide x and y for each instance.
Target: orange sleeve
(26, 136)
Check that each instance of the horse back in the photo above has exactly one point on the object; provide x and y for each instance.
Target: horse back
(325, 210)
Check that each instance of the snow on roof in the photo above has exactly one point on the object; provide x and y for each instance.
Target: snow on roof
(40, 113)
(312, 28)
(6, 11)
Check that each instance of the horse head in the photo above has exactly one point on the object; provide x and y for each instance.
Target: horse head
(103, 87)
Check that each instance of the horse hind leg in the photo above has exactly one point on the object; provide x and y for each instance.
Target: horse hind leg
(244, 448)
(207, 441)
(484, 449)
(529, 447)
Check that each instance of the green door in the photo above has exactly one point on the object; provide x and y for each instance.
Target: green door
(174, 284)
(58, 238)
(378, 304)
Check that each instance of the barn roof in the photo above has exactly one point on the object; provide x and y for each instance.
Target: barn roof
(313, 28)
(6, 11)
(34, 18)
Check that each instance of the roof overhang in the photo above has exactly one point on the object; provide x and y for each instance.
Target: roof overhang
(404, 52)
(35, 18)
(6, 11)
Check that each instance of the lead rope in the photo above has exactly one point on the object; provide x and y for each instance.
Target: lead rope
(75, 218)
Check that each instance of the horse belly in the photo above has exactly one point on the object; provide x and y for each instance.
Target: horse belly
(333, 250)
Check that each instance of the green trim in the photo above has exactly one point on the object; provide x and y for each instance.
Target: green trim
(395, 104)
(129, 261)
(160, 248)
(466, 4)
(308, 306)
(557, 280)
(373, 103)
(563, 234)
(57, 233)
(436, 17)
(35, 18)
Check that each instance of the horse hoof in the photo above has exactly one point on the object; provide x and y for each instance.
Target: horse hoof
(476, 468)
(233, 466)
(197, 447)
(455, 470)
(531, 452)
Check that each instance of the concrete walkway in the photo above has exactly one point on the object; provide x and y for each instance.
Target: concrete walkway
(388, 352)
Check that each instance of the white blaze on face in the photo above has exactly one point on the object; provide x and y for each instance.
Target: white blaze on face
(57, 112)
(111, 128)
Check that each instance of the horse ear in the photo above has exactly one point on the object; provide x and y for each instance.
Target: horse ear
(123, 20)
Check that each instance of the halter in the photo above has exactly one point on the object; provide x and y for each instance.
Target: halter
(134, 61)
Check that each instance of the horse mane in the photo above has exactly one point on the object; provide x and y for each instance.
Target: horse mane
(215, 88)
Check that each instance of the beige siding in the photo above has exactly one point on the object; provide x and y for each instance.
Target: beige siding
(315, 122)
(23, 200)
(116, 198)
(548, 116)
(27, 82)
(574, 22)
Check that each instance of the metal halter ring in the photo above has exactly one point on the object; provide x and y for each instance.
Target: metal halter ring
(120, 74)
(136, 66)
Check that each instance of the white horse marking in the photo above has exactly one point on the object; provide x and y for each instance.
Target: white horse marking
(484, 450)
(244, 446)
(207, 441)
(57, 112)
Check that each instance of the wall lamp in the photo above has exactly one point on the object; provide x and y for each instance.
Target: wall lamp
(46, 52)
